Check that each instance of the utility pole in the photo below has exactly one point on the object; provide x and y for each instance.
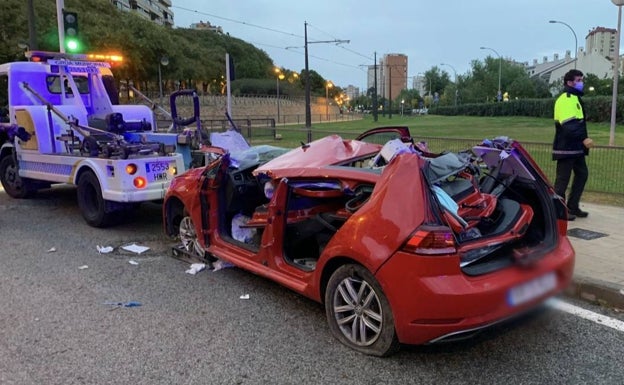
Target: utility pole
(375, 106)
(32, 33)
(308, 112)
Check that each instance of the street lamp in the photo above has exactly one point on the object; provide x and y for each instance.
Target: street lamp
(499, 96)
(455, 72)
(616, 72)
(575, 39)
(328, 85)
(402, 103)
(280, 76)
(164, 61)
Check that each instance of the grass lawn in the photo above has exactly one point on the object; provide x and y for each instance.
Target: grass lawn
(605, 164)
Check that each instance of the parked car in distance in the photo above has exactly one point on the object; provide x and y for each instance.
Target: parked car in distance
(400, 245)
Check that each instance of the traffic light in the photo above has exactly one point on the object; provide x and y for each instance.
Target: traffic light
(70, 26)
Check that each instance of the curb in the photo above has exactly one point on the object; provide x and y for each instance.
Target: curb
(597, 292)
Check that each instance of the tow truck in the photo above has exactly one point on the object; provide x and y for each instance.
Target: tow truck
(60, 122)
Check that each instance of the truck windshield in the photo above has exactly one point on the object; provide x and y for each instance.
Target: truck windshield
(54, 84)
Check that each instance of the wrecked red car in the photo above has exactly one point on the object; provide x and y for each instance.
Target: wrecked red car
(401, 246)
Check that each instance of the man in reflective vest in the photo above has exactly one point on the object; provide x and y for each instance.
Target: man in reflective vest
(571, 143)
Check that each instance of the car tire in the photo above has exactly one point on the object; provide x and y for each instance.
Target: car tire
(358, 312)
(14, 185)
(92, 205)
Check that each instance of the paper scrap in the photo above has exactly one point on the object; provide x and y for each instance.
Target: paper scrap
(196, 268)
(135, 248)
(83, 267)
(132, 262)
(51, 250)
(244, 296)
(104, 249)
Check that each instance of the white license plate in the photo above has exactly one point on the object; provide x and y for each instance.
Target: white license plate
(532, 289)
(157, 171)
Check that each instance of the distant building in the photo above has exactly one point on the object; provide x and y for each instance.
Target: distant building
(370, 81)
(158, 11)
(206, 26)
(393, 75)
(552, 71)
(601, 40)
(352, 92)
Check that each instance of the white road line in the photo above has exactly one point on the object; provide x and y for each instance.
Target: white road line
(586, 314)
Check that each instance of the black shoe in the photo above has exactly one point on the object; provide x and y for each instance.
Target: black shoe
(571, 217)
(578, 213)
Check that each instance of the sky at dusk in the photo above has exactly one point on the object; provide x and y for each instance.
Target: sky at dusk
(428, 32)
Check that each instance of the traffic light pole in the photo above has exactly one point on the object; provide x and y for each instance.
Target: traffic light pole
(60, 4)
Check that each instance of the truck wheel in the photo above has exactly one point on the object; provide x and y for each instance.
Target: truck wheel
(14, 185)
(92, 204)
(358, 312)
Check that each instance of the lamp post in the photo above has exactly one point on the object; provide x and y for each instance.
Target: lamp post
(616, 72)
(499, 95)
(455, 72)
(280, 76)
(164, 61)
(402, 103)
(574, 33)
(328, 85)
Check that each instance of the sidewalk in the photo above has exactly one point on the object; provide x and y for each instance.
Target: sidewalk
(599, 244)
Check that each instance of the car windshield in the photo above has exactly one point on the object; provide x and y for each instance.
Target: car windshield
(256, 155)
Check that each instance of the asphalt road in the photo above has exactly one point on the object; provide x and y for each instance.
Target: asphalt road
(56, 329)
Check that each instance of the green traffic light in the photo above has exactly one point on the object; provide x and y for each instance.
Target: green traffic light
(72, 45)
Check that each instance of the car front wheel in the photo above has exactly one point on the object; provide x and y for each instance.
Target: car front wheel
(359, 313)
(188, 237)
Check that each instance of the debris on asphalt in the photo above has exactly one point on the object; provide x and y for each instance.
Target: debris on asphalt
(135, 248)
(133, 262)
(123, 304)
(51, 250)
(244, 296)
(196, 268)
(83, 267)
(219, 264)
(104, 249)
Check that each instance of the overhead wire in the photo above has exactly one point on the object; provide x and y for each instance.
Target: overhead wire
(280, 32)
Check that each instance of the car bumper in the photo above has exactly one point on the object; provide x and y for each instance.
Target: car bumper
(432, 298)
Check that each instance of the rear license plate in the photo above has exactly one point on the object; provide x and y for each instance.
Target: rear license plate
(157, 171)
(533, 289)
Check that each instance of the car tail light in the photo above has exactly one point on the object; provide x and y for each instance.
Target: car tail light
(131, 168)
(431, 240)
(140, 182)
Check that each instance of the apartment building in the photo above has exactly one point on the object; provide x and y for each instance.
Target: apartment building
(601, 40)
(393, 74)
(158, 11)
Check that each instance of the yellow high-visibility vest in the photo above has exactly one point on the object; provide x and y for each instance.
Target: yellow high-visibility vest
(568, 107)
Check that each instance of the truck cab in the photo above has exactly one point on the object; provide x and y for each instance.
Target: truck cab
(61, 122)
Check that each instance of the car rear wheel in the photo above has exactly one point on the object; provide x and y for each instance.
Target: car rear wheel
(359, 313)
(188, 237)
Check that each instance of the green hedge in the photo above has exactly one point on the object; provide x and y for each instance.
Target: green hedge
(597, 109)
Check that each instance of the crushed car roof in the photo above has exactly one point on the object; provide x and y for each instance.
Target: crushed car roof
(322, 152)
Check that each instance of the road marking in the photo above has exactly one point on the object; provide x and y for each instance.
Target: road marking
(586, 314)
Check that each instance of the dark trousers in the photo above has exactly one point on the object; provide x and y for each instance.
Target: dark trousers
(565, 167)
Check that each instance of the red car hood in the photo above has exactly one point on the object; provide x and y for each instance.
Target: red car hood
(326, 151)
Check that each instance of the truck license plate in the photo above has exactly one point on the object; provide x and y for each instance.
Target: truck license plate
(532, 289)
(157, 171)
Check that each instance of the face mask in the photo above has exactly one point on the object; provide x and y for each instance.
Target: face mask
(579, 86)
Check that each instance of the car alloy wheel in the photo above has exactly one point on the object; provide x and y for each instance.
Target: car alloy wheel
(188, 237)
(358, 312)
